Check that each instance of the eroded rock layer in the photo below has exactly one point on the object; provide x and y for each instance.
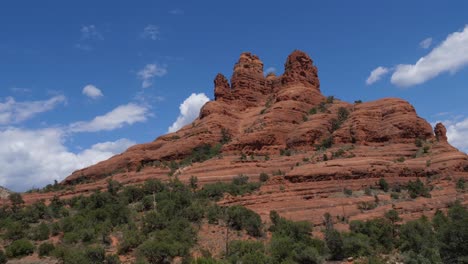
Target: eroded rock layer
(315, 145)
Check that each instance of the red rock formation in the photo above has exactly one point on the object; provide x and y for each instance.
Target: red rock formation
(330, 145)
(440, 132)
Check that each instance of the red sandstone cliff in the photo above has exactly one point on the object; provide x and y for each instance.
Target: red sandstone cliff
(330, 145)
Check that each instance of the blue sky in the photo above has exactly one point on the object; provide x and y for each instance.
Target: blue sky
(82, 81)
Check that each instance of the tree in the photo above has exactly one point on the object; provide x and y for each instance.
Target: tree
(41, 232)
(95, 254)
(418, 239)
(453, 235)
(393, 217)
(16, 201)
(113, 187)
(19, 248)
(45, 249)
(3, 258)
(334, 242)
(193, 182)
(158, 251)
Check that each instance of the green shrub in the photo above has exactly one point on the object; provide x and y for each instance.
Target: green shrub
(417, 188)
(19, 248)
(368, 191)
(394, 196)
(45, 249)
(15, 231)
(246, 252)
(383, 185)
(348, 192)
(3, 258)
(356, 245)
(325, 144)
(285, 152)
(330, 99)
(158, 251)
(400, 159)
(213, 213)
(240, 179)
(240, 217)
(112, 259)
(225, 136)
(40, 233)
(334, 242)
(264, 177)
(95, 254)
(343, 114)
(460, 185)
(131, 239)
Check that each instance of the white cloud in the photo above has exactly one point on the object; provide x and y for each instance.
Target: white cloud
(426, 43)
(92, 91)
(148, 73)
(270, 70)
(176, 12)
(90, 32)
(13, 112)
(189, 110)
(376, 75)
(450, 56)
(34, 158)
(457, 131)
(151, 32)
(122, 115)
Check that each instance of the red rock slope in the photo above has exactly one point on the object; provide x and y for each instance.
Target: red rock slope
(320, 145)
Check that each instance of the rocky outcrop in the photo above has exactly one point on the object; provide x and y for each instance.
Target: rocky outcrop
(299, 68)
(4, 193)
(283, 125)
(440, 132)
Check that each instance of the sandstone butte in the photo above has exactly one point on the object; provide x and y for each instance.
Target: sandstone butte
(274, 124)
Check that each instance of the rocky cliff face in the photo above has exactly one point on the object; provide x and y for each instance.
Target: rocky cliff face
(284, 125)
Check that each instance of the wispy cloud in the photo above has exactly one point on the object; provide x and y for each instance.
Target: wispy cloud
(426, 43)
(176, 11)
(189, 110)
(450, 56)
(90, 32)
(13, 112)
(376, 75)
(151, 32)
(120, 116)
(92, 91)
(149, 72)
(89, 36)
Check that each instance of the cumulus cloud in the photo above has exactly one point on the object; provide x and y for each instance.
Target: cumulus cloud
(189, 110)
(151, 32)
(376, 75)
(148, 73)
(34, 158)
(426, 43)
(450, 56)
(122, 115)
(92, 91)
(13, 112)
(457, 131)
